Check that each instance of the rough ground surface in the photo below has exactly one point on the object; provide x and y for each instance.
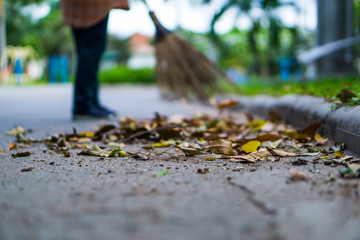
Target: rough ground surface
(84, 197)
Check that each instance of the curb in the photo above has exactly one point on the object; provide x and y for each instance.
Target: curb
(339, 125)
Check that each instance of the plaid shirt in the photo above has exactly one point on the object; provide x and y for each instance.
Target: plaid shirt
(85, 13)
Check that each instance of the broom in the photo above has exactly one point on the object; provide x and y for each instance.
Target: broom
(181, 70)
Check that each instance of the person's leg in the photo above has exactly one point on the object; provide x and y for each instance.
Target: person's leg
(90, 45)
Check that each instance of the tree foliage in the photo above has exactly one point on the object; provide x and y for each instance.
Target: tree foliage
(264, 56)
(47, 35)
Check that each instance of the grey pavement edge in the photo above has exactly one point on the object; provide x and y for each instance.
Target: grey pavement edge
(339, 124)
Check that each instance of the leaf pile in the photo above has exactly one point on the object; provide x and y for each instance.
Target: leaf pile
(203, 136)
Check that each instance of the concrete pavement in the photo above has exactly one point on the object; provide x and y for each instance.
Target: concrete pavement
(119, 198)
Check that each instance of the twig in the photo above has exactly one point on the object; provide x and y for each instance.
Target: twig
(136, 135)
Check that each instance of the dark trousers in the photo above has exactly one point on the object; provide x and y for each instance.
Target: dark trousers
(90, 45)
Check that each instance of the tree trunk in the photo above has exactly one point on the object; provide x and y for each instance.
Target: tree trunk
(2, 40)
(335, 22)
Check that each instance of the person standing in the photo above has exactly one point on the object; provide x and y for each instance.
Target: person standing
(88, 20)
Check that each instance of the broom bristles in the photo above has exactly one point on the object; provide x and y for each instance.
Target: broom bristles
(182, 71)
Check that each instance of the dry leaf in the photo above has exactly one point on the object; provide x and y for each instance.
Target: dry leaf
(274, 116)
(229, 103)
(256, 124)
(346, 95)
(21, 154)
(319, 139)
(116, 145)
(291, 146)
(87, 134)
(3, 152)
(297, 175)
(15, 131)
(354, 167)
(98, 152)
(209, 158)
(251, 146)
(260, 155)
(29, 169)
(338, 146)
(272, 145)
(339, 154)
(12, 146)
(280, 153)
(267, 137)
(203, 170)
(310, 130)
(222, 147)
(189, 150)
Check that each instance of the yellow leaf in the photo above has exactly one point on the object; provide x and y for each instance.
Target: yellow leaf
(160, 145)
(87, 134)
(319, 139)
(209, 158)
(339, 154)
(256, 124)
(222, 147)
(251, 146)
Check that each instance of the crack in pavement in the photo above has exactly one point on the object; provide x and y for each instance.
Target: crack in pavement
(254, 201)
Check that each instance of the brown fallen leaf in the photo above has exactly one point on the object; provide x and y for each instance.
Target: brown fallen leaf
(274, 116)
(310, 130)
(229, 103)
(29, 169)
(260, 155)
(296, 175)
(13, 146)
(280, 153)
(346, 95)
(21, 154)
(203, 170)
(222, 147)
(268, 137)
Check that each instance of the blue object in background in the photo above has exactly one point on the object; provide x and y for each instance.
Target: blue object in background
(64, 68)
(237, 76)
(18, 71)
(285, 65)
(58, 68)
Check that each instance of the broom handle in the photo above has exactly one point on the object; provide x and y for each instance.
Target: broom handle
(146, 5)
(152, 14)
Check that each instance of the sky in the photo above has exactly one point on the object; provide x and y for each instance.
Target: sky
(194, 17)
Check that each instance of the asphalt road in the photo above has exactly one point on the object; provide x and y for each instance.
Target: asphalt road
(90, 198)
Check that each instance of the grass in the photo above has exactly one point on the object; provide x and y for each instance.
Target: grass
(325, 87)
(123, 74)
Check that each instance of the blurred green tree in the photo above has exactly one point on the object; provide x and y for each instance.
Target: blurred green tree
(47, 35)
(264, 37)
